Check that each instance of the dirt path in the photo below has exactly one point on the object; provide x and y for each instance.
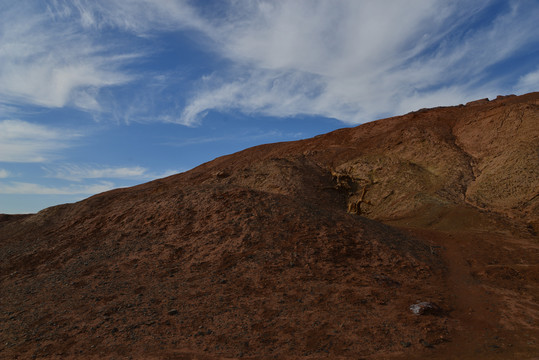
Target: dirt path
(493, 295)
(475, 311)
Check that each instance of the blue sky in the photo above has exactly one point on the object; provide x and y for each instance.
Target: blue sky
(100, 94)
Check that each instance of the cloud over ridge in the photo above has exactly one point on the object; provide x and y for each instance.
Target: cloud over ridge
(349, 60)
(423, 53)
(24, 188)
(74, 172)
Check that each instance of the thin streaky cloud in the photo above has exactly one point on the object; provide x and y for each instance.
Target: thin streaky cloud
(54, 64)
(360, 69)
(349, 60)
(273, 135)
(142, 17)
(78, 173)
(26, 142)
(528, 82)
(4, 174)
(25, 188)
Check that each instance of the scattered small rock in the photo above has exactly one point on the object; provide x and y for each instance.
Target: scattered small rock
(204, 333)
(426, 344)
(425, 308)
(173, 312)
(406, 344)
(386, 280)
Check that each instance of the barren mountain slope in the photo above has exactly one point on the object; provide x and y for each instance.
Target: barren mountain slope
(280, 251)
(484, 155)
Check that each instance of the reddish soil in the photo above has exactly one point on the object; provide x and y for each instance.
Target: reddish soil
(300, 250)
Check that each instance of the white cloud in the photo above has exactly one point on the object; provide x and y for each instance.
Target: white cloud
(74, 172)
(6, 110)
(528, 82)
(164, 174)
(24, 188)
(272, 135)
(21, 141)
(77, 52)
(52, 63)
(348, 59)
(78, 173)
(140, 16)
(357, 60)
(4, 174)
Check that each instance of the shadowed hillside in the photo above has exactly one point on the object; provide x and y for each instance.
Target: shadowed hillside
(299, 250)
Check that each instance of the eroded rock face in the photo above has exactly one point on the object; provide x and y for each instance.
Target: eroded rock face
(482, 157)
(503, 141)
(281, 250)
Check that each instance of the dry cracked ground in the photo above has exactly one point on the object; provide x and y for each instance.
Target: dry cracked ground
(314, 249)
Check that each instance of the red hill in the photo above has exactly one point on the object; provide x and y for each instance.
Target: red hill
(300, 250)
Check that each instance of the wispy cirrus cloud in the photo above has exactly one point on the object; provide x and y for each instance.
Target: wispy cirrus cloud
(4, 174)
(89, 55)
(274, 135)
(26, 142)
(350, 60)
(78, 180)
(46, 60)
(25, 188)
(77, 172)
(355, 60)
(139, 16)
(528, 82)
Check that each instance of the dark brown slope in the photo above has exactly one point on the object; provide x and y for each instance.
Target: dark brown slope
(270, 252)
